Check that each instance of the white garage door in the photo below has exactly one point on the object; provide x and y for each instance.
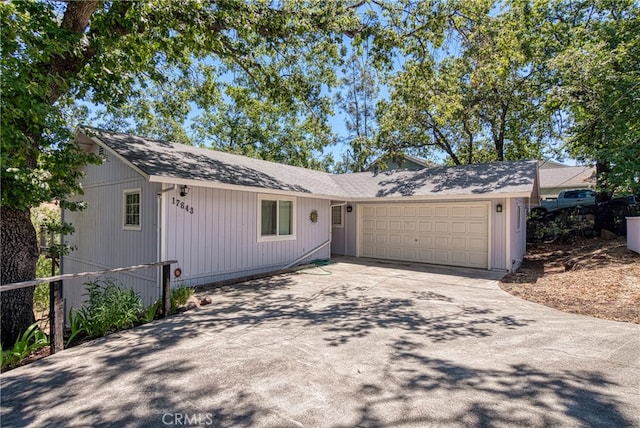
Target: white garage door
(455, 234)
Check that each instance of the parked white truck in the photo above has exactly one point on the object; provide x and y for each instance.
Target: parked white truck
(568, 199)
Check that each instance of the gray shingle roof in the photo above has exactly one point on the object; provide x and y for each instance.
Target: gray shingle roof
(497, 178)
(568, 177)
(179, 161)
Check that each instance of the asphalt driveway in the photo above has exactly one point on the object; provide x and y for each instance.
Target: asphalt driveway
(352, 344)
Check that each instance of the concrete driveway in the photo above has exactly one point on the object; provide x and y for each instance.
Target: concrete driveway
(352, 344)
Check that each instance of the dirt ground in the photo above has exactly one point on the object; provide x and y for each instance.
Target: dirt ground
(588, 276)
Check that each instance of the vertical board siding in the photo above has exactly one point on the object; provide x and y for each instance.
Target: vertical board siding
(219, 240)
(101, 241)
(518, 237)
(338, 240)
(351, 231)
(499, 236)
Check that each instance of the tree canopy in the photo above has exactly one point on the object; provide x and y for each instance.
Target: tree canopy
(149, 65)
(462, 82)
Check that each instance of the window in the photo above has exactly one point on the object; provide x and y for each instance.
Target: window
(336, 216)
(276, 218)
(131, 209)
(518, 217)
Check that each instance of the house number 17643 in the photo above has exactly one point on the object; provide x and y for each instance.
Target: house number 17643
(181, 205)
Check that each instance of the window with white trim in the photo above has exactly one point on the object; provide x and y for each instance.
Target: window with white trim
(337, 217)
(518, 217)
(276, 218)
(132, 209)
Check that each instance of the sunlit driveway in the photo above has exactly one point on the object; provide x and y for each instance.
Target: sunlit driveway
(352, 344)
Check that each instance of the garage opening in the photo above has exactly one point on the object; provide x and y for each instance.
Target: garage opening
(454, 234)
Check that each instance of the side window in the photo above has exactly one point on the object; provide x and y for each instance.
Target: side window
(336, 216)
(518, 217)
(276, 218)
(132, 209)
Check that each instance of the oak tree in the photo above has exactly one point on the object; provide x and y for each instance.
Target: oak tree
(146, 65)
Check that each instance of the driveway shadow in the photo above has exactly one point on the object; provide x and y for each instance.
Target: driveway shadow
(518, 395)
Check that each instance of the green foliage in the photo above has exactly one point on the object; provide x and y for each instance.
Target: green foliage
(76, 323)
(150, 313)
(357, 101)
(29, 341)
(179, 296)
(109, 308)
(470, 88)
(597, 63)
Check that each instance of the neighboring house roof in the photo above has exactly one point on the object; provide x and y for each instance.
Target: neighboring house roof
(182, 164)
(548, 164)
(407, 162)
(569, 177)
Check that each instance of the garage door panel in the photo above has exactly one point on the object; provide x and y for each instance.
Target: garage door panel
(458, 243)
(395, 239)
(409, 212)
(426, 256)
(380, 252)
(442, 211)
(441, 257)
(477, 244)
(410, 254)
(478, 228)
(450, 234)
(441, 227)
(425, 226)
(458, 227)
(459, 258)
(395, 226)
(368, 211)
(394, 253)
(425, 241)
(441, 242)
(477, 260)
(395, 211)
(425, 212)
(478, 211)
(459, 211)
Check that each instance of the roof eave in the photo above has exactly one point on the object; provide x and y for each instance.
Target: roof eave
(99, 142)
(440, 197)
(224, 186)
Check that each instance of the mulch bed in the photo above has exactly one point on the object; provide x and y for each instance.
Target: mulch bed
(587, 276)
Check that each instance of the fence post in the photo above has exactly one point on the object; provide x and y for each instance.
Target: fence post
(166, 290)
(56, 317)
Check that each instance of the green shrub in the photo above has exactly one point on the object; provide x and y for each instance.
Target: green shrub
(150, 313)
(29, 341)
(179, 296)
(109, 308)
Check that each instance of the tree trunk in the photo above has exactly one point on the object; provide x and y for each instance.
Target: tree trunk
(18, 263)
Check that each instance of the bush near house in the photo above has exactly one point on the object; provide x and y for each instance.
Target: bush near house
(582, 222)
(111, 307)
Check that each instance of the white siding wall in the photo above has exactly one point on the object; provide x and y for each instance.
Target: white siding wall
(219, 240)
(351, 231)
(499, 236)
(518, 232)
(100, 239)
(338, 239)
